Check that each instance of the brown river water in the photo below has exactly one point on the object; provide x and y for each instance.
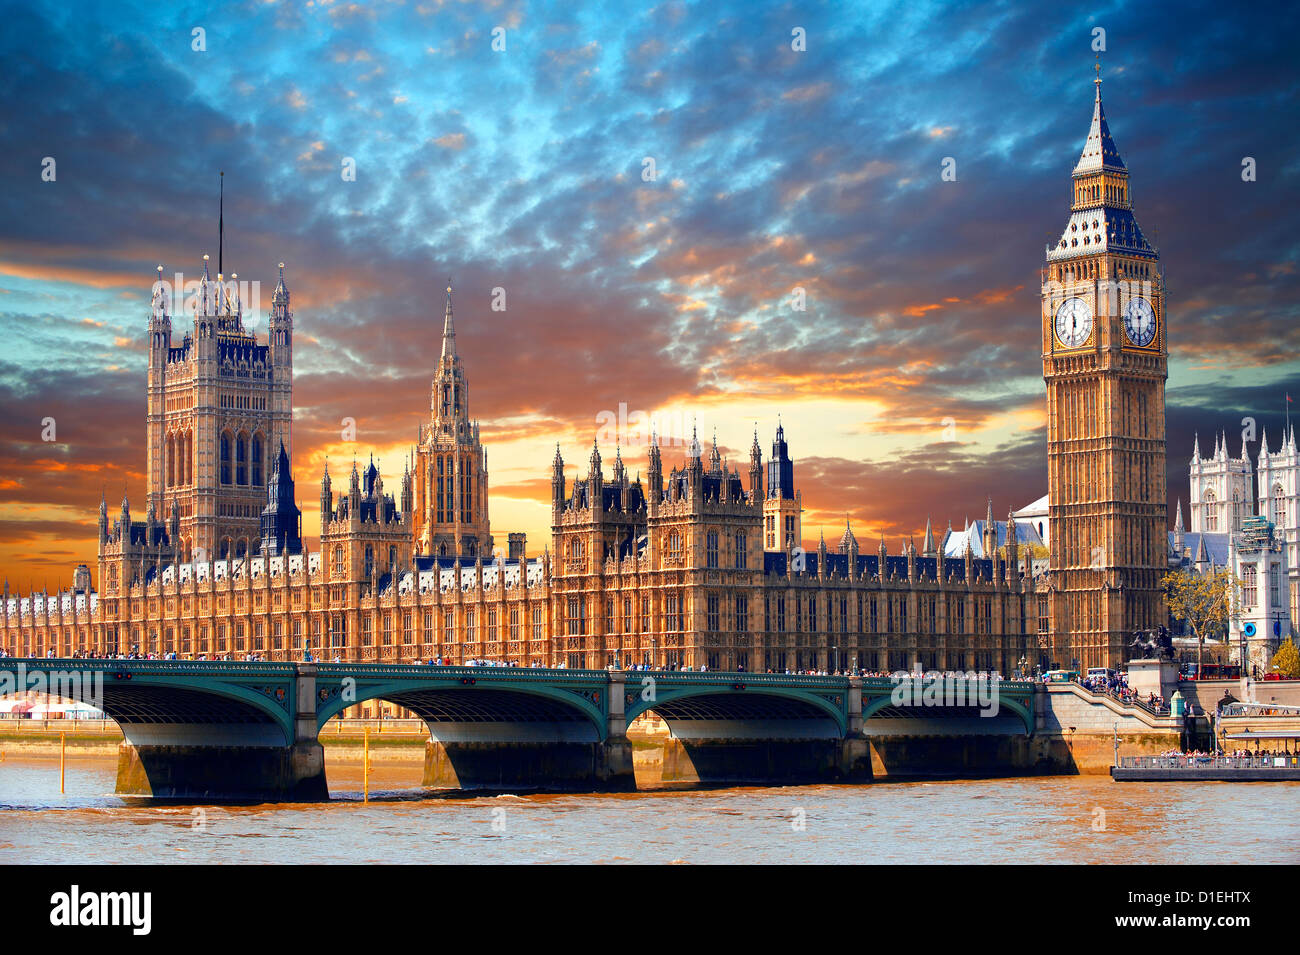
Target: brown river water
(1062, 819)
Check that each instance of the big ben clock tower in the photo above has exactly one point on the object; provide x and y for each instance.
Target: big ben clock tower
(1105, 361)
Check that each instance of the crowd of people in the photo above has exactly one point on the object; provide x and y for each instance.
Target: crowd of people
(1116, 685)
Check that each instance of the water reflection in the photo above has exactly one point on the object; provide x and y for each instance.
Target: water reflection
(1051, 820)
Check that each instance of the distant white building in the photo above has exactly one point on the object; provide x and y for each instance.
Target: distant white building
(1279, 501)
(1260, 545)
(1035, 516)
(1259, 549)
(1222, 489)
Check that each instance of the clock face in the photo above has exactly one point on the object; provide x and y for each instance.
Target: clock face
(1139, 322)
(1073, 322)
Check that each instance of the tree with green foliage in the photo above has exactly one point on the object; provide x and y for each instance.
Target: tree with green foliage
(1203, 601)
(1286, 661)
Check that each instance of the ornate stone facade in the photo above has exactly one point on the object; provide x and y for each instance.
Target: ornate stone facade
(451, 477)
(1105, 362)
(220, 403)
(670, 573)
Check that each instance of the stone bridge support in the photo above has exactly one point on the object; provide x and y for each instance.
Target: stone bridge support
(219, 750)
(559, 754)
(750, 729)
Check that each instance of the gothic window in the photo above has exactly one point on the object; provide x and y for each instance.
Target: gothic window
(742, 558)
(675, 544)
(627, 614)
(1249, 588)
(1208, 502)
(577, 619)
(257, 460)
(370, 561)
(338, 562)
(714, 623)
(171, 461)
(1279, 505)
(392, 558)
(241, 548)
(241, 459)
(711, 549)
(1236, 511)
(742, 613)
(225, 458)
(672, 613)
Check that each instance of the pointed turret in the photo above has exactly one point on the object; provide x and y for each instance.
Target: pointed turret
(595, 481)
(848, 542)
(205, 304)
(281, 523)
(326, 496)
(408, 495)
(448, 328)
(928, 548)
(1178, 530)
(990, 540)
(280, 297)
(557, 481)
(694, 452)
(1099, 151)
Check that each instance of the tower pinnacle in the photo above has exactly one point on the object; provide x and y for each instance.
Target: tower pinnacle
(448, 329)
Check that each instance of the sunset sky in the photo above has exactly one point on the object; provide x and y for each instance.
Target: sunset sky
(522, 169)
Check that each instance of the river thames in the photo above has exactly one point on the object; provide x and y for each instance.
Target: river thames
(1062, 819)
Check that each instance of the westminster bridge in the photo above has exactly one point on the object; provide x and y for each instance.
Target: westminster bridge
(219, 730)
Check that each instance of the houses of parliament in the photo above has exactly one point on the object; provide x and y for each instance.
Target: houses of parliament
(697, 566)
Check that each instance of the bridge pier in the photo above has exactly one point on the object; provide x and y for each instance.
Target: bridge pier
(555, 756)
(230, 761)
(222, 773)
(677, 761)
(522, 765)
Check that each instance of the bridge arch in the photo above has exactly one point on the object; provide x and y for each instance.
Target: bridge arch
(765, 707)
(877, 705)
(170, 703)
(534, 710)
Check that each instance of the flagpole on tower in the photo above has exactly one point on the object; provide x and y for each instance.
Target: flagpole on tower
(221, 223)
